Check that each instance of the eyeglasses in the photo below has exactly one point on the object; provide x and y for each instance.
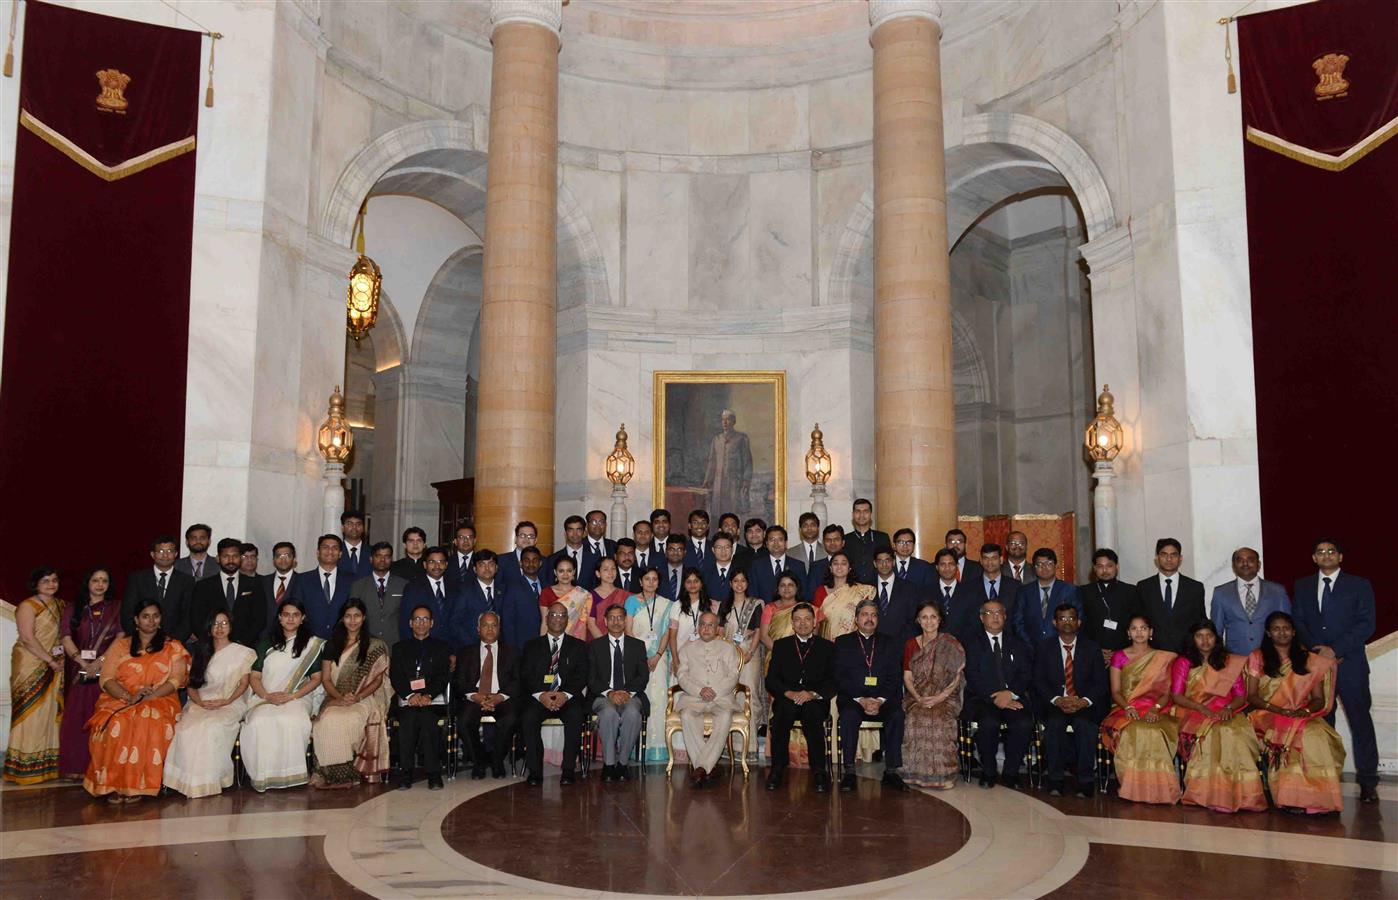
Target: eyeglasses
(1044, 562)
(1329, 552)
(901, 541)
(420, 620)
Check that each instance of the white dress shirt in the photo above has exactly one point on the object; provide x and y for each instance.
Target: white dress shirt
(494, 686)
(552, 639)
(1063, 658)
(334, 580)
(1320, 587)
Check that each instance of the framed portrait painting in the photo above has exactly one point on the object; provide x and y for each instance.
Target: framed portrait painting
(720, 440)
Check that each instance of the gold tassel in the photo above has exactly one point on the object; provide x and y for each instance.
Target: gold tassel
(10, 47)
(1228, 54)
(214, 37)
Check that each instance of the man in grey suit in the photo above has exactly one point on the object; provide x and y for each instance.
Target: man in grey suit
(381, 592)
(1240, 607)
(198, 563)
(809, 548)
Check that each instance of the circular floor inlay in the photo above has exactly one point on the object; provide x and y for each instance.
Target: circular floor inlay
(655, 836)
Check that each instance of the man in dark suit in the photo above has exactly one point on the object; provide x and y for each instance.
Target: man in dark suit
(646, 554)
(277, 584)
(660, 528)
(487, 682)
(419, 670)
(1107, 605)
(230, 592)
(966, 569)
(1172, 601)
(751, 544)
(672, 567)
(698, 546)
(1335, 618)
(597, 540)
(1017, 557)
(960, 601)
(908, 567)
(869, 687)
(1240, 607)
(381, 592)
(1070, 686)
(618, 673)
(718, 567)
(897, 600)
(460, 565)
(324, 589)
(766, 567)
(1036, 600)
(995, 583)
(441, 596)
(997, 691)
(526, 535)
(409, 566)
(553, 672)
(863, 539)
(163, 583)
(578, 550)
(627, 575)
(529, 585)
(515, 605)
(198, 564)
(801, 681)
(355, 559)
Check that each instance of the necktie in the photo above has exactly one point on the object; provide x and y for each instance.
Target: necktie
(198, 570)
(777, 567)
(1043, 604)
(903, 568)
(883, 596)
(281, 589)
(626, 581)
(946, 589)
(488, 671)
(553, 659)
(699, 551)
(675, 582)
(1068, 690)
(328, 594)
(810, 555)
(597, 548)
(228, 593)
(534, 586)
(617, 679)
(382, 588)
(993, 594)
(1169, 595)
(161, 587)
(437, 590)
(1324, 595)
(354, 557)
(490, 596)
(576, 566)
(1019, 572)
(999, 663)
(1250, 602)
(723, 573)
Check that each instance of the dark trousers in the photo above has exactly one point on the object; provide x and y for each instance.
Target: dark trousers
(469, 724)
(1352, 692)
(891, 741)
(813, 716)
(1019, 725)
(417, 727)
(532, 724)
(1058, 746)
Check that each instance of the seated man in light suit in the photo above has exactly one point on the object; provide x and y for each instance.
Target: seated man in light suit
(708, 674)
(617, 678)
(1240, 607)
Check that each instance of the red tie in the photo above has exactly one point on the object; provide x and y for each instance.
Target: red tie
(281, 589)
(1068, 690)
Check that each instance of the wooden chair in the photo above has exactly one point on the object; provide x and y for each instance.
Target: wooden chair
(741, 724)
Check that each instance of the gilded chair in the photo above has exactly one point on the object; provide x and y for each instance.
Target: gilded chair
(741, 724)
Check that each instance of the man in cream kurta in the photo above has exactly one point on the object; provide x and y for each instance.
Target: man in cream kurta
(708, 674)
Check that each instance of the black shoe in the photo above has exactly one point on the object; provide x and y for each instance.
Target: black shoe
(1055, 789)
(434, 783)
(621, 773)
(1368, 793)
(847, 783)
(774, 779)
(1084, 792)
(568, 778)
(878, 756)
(987, 781)
(822, 783)
(497, 771)
(478, 772)
(535, 780)
(607, 776)
(894, 781)
(405, 782)
(1010, 781)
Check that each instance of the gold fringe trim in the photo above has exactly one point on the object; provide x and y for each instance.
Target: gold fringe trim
(106, 173)
(1325, 161)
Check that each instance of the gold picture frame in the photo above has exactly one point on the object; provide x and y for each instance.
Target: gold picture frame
(676, 466)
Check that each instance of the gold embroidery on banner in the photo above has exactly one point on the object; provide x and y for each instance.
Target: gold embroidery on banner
(112, 100)
(92, 164)
(1328, 162)
(1330, 69)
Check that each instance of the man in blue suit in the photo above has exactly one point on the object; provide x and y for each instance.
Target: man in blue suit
(1240, 607)
(1070, 686)
(718, 567)
(324, 589)
(584, 557)
(1335, 618)
(355, 558)
(672, 567)
(1036, 600)
(485, 591)
(700, 546)
(526, 535)
(869, 686)
(997, 692)
(907, 566)
(767, 566)
(439, 594)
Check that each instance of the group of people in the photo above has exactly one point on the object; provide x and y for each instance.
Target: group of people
(840, 627)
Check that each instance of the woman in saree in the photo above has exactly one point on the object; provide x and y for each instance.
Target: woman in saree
(607, 592)
(934, 670)
(351, 731)
(838, 596)
(134, 721)
(741, 616)
(200, 761)
(286, 681)
(1138, 731)
(36, 683)
(1217, 744)
(693, 603)
(87, 635)
(1292, 690)
(582, 624)
(648, 618)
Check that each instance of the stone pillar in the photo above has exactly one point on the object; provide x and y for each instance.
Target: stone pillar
(515, 436)
(914, 416)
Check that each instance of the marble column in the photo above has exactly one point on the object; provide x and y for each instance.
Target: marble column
(914, 416)
(514, 433)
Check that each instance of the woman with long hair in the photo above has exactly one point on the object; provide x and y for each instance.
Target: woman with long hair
(837, 597)
(134, 720)
(1217, 744)
(607, 591)
(1139, 731)
(693, 603)
(285, 679)
(36, 683)
(351, 731)
(200, 761)
(1292, 690)
(648, 619)
(582, 624)
(88, 632)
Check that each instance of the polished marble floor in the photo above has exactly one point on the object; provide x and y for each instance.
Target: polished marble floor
(656, 836)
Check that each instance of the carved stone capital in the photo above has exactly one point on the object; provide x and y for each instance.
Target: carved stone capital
(548, 13)
(1107, 250)
(881, 11)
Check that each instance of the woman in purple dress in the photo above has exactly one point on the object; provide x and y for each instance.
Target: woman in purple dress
(94, 624)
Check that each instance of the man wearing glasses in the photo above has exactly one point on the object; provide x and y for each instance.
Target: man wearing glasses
(419, 672)
(1036, 601)
(553, 671)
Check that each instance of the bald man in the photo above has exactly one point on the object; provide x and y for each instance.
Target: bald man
(708, 674)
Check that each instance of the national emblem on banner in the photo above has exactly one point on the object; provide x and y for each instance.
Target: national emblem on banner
(1330, 69)
(113, 83)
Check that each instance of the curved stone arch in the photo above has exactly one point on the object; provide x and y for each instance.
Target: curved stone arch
(970, 374)
(447, 319)
(390, 340)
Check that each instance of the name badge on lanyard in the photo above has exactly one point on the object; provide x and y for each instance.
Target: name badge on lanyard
(549, 678)
(89, 655)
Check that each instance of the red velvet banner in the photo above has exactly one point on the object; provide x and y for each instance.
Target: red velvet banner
(1320, 111)
(92, 393)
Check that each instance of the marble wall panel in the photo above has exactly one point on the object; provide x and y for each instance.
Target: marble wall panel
(779, 119)
(599, 195)
(719, 253)
(657, 240)
(718, 122)
(842, 110)
(779, 235)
